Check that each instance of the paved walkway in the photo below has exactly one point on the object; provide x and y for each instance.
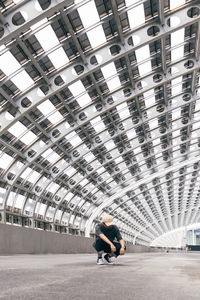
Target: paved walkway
(151, 276)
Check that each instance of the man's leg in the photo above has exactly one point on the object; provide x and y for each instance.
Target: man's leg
(118, 247)
(100, 247)
(109, 254)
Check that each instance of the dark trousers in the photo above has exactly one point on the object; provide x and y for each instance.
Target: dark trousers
(102, 246)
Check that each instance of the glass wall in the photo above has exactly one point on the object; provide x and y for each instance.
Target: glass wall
(193, 237)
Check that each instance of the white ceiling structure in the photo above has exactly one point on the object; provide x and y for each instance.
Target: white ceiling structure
(100, 113)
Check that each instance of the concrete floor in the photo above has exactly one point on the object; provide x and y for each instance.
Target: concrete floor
(139, 276)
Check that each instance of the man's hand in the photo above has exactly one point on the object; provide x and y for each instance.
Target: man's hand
(113, 248)
(122, 251)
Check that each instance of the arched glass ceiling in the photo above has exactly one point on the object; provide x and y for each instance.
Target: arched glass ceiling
(176, 238)
(100, 114)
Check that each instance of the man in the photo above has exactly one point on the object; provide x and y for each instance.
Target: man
(105, 233)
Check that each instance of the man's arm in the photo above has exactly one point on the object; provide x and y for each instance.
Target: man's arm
(122, 250)
(105, 239)
(122, 243)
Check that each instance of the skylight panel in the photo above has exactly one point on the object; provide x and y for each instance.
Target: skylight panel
(34, 176)
(131, 133)
(176, 85)
(58, 214)
(137, 150)
(69, 196)
(109, 145)
(150, 101)
(30, 175)
(2, 193)
(144, 68)
(11, 198)
(175, 133)
(73, 138)
(53, 157)
(50, 155)
(177, 53)
(52, 188)
(8, 63)
(83, 100)
(109, 70)
(47, 153)
(40, 208)
(58, 58)
(17, 129)
(101, 170)
(22, 80)
(176, 113)
(38, 24)
(77, 88)
(28, 138)
(47, 38)
(197, 105)
(177, 3)
(5, 160)
(84, 182)
(89, 157)
(98, 124)
(197, 116)
(156, 142)
(177, 37)
(136, 15)
(131, 2)
(142, 54)
(46, 108)
(153, 123)
(113, 83)
(55, 117)
(70, 171)
(96, 36)
(93, 16)
(123, 110)
(118, 160)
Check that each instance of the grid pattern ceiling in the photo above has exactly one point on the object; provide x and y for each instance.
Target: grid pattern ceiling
(99, 113)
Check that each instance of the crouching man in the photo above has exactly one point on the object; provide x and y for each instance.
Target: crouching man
(105, 233)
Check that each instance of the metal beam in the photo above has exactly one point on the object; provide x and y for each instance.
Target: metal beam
(34, 16)
(33, 60)
(57, 89)
(161, 14)
(120, 193)
(117, 20)
(73, 35)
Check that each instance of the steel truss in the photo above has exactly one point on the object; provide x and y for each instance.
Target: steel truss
(148, 217)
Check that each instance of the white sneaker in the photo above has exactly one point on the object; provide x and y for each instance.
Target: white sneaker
(100, 261)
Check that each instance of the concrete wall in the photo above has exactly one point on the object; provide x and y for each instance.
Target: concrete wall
(21, 240)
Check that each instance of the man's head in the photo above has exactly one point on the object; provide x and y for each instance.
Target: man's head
(107, 221)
